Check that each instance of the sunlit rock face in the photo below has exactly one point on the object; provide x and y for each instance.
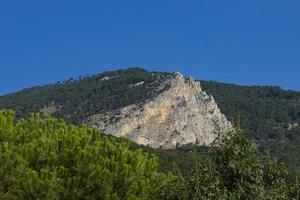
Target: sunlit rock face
(181, 115)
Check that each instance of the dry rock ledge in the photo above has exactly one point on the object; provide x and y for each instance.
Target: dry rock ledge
(181, 115)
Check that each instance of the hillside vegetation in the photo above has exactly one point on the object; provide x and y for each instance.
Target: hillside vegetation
(76, 99)
(49, 159)
(268, 114)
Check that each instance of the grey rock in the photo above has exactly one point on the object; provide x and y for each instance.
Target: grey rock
(181, 115)
(292, 126)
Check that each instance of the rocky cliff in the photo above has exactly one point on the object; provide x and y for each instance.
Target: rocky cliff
(182, 114)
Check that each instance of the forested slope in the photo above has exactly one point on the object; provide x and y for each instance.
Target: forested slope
(76, 99)
(269, 114)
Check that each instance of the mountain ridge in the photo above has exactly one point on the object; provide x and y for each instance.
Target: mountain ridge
(264, 112)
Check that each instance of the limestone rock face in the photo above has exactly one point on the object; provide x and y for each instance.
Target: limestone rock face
(181, 115)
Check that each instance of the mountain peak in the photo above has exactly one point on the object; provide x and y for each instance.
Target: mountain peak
(179, 75)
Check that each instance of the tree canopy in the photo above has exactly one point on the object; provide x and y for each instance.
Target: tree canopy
(49, 159)
(46, 158)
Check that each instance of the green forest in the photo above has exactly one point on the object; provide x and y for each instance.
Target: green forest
(46, 158)
(266, 114)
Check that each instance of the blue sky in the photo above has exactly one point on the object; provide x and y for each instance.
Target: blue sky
(244, 42)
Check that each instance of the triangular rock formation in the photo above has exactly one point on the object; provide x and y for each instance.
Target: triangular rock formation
(181, 115)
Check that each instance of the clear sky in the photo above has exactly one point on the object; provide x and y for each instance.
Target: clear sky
(253, 42)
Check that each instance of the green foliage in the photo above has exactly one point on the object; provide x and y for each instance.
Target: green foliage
(48, 159)
(179, 160)
(237, 171)
(265, 113)
(51, 160)
(76, 99)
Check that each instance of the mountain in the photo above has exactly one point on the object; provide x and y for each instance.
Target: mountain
(270, 115)
(180, 115)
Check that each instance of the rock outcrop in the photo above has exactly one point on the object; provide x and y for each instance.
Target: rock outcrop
(181, 115)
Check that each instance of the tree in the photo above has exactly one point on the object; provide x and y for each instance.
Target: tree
(48, 159)
(238, 171)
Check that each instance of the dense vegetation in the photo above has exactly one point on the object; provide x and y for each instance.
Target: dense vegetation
(76, 99)
(268, 114)
(48, 159)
